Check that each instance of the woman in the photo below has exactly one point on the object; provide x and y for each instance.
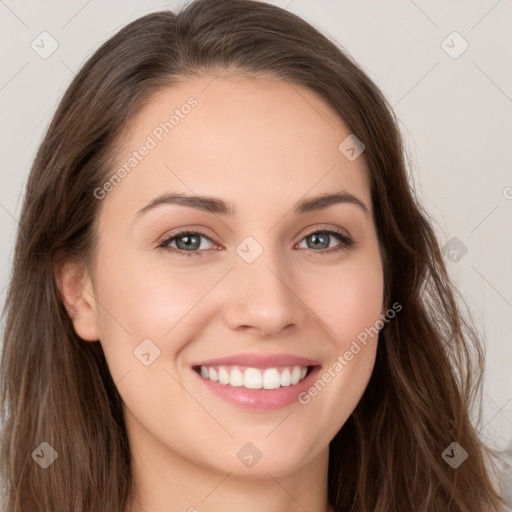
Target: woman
(225, 294)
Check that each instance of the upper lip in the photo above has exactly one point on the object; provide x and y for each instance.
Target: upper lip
(259, 361)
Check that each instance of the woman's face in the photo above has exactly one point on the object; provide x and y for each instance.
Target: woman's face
(257, 294)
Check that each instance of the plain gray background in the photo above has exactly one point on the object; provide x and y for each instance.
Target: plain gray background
(455, 111)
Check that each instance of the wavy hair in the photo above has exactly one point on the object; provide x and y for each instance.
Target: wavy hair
(57, 388)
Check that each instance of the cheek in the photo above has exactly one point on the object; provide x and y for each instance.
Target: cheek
(137, 300)
(360, 303)
(348, 298)
(351, 308)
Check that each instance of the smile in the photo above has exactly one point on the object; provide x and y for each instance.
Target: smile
(258, 382)
(254, 378)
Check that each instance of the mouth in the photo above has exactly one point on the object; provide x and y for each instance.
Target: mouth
(254, 378)
(253, 382)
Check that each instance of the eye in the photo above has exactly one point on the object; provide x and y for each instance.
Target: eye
(187, 243)
(322, 240)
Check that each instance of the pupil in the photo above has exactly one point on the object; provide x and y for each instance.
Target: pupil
(189, 241)
(318, 237)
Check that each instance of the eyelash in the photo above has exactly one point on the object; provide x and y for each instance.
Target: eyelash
(346, 242)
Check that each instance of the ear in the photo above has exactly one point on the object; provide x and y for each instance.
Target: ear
(77, 294)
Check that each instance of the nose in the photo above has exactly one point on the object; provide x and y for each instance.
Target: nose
(262, 298)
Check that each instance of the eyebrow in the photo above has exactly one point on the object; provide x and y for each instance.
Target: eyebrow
(219, 206)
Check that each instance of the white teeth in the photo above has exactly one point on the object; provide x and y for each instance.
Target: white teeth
(223, 376)
(237, 378)
(286, 377)
(254, 378)
(271, 379)
(295, 375)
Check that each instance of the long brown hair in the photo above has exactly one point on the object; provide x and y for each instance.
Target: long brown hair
(57, 389)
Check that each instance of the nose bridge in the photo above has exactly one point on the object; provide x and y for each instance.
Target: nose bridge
(263, 296)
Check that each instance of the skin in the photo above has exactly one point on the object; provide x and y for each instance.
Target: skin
(262, 145)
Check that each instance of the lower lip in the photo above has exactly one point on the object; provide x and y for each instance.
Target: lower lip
(260, 399)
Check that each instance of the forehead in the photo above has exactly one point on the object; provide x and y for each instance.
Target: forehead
(257, 142)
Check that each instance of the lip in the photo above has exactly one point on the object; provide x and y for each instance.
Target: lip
(259, 399)
(259, 361)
